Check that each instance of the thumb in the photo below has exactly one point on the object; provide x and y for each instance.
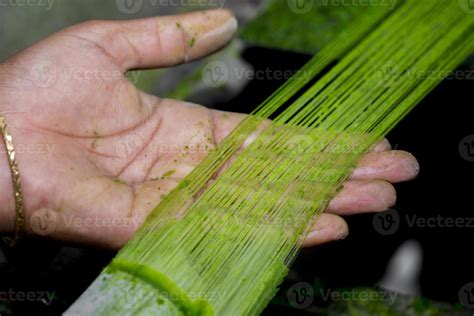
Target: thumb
(160, 41)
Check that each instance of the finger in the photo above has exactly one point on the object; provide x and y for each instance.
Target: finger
(328, 228)
(363, 196)
(383, 145)
(393, 166)
(161, 41)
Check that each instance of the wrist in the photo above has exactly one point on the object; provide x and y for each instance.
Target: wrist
(7, 200)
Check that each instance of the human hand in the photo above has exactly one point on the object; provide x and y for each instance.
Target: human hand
(96, 155)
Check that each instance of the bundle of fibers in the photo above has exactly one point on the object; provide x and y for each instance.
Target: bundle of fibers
(222, 247)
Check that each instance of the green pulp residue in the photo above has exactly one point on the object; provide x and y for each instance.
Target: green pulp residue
(119, 181)
(162, 283)
(168, 174)
(191, 42)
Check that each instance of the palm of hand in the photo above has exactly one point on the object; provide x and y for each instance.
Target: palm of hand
(107, 150)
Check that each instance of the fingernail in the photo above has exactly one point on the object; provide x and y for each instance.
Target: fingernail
(221, 33)
(382, 146)
(342, 233)
(331, 232)
(411, 165)
(226, 31)
(382, 192)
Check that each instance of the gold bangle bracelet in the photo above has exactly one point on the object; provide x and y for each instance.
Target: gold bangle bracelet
(19, 206)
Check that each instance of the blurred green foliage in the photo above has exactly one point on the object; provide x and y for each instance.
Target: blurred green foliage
(296, 26)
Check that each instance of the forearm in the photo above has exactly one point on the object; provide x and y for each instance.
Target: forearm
(7, 201)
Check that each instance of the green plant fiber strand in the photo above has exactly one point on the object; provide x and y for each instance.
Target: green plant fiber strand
(222, 248)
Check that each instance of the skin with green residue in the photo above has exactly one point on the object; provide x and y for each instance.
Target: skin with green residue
(95, 140)
(191, 42)
(119, 181)
(168, 174)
